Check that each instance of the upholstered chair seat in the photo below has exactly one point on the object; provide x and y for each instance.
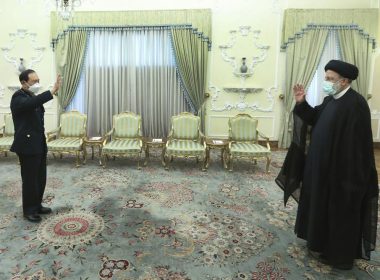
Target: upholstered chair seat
(125, 137)
(68, 137)
(243, 137)
(185, 139)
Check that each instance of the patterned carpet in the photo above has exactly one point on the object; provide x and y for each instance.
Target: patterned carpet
(124, 223)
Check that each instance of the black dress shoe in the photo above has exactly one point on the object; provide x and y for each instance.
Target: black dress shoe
(34, 218)
(44, 210)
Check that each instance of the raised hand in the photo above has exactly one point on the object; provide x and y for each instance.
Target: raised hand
(57, 85)
(299, 93)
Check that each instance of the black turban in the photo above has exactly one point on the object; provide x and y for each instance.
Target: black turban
(346, 70)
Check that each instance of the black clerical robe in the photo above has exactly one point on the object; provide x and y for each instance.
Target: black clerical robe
(337, 211)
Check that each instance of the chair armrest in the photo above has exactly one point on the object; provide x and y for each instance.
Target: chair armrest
(265, 138)
(51, 135)
(107, 136)
(201, 137)
(230, 144)
(170, 136)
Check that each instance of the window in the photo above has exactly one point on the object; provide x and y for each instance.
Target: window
(129, 70)
(331, 50)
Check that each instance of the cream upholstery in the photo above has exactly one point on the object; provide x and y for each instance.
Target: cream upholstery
(7, 134)
(68, 137)
(185, 139)
(124, 139)
(243, 136)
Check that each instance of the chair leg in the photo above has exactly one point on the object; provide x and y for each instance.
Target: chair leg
(60, 155)
(268, 163)
(166, 158)
(100, 158)
(230, 163)
(84, 155)
(104, 161)
(225, 160)
(77, 154)
(163, 157)
(138, 161)
(204, 163)
(5, 154)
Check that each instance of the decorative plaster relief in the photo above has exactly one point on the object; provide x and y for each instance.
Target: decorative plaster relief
(23, 34)
(51, 5)
(244, 31)
(276, 6)
(242, 104)
(2, 95)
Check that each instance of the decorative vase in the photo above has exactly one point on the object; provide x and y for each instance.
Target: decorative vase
(21, 66)
(243, 67)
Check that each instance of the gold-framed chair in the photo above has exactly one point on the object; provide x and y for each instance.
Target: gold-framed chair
(7, 134)
(124, 139)
(185, 139)
(243, 137)
(68, 137)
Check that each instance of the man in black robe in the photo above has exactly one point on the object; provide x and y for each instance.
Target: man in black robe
(337, 211)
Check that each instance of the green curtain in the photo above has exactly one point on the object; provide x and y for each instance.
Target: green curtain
(357, 29)
(191, 54)
(302, 58)
(297, 20)
(69, 55)
(357, 49)
(198, 19)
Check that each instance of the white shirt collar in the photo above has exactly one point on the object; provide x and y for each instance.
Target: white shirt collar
(340, 94)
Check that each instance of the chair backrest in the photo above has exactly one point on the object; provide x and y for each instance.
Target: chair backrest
(127, 125)
(73, 124)
(243, 127)
(9, 128)
(185, 126)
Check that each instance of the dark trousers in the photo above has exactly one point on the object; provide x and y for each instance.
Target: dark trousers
(33, 174)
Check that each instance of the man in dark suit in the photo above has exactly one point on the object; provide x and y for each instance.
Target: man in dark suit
(30, 142)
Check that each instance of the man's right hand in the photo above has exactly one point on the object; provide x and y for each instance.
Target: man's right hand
(299, 93)
(57, 85)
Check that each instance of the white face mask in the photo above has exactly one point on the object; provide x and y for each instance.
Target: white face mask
(34, 88)
(331, 88)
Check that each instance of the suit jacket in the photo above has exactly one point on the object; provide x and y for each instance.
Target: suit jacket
(28, 119)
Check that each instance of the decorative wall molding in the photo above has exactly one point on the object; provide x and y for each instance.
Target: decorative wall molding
(242, 104)
(13, 88)
(253, 60)
(276, 6)
(2, 95)
(23, 34)
(51, 5)
(242, 90)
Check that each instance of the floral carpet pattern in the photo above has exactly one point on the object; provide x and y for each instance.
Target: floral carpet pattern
(123, 223)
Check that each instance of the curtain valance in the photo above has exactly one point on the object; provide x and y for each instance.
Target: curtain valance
(199, 20)
(297, 22)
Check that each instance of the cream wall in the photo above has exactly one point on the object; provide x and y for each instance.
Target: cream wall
(32, 17)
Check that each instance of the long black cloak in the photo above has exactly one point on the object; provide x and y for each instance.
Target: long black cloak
(337, 212)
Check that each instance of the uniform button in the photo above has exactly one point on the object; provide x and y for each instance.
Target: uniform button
(28, 135)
